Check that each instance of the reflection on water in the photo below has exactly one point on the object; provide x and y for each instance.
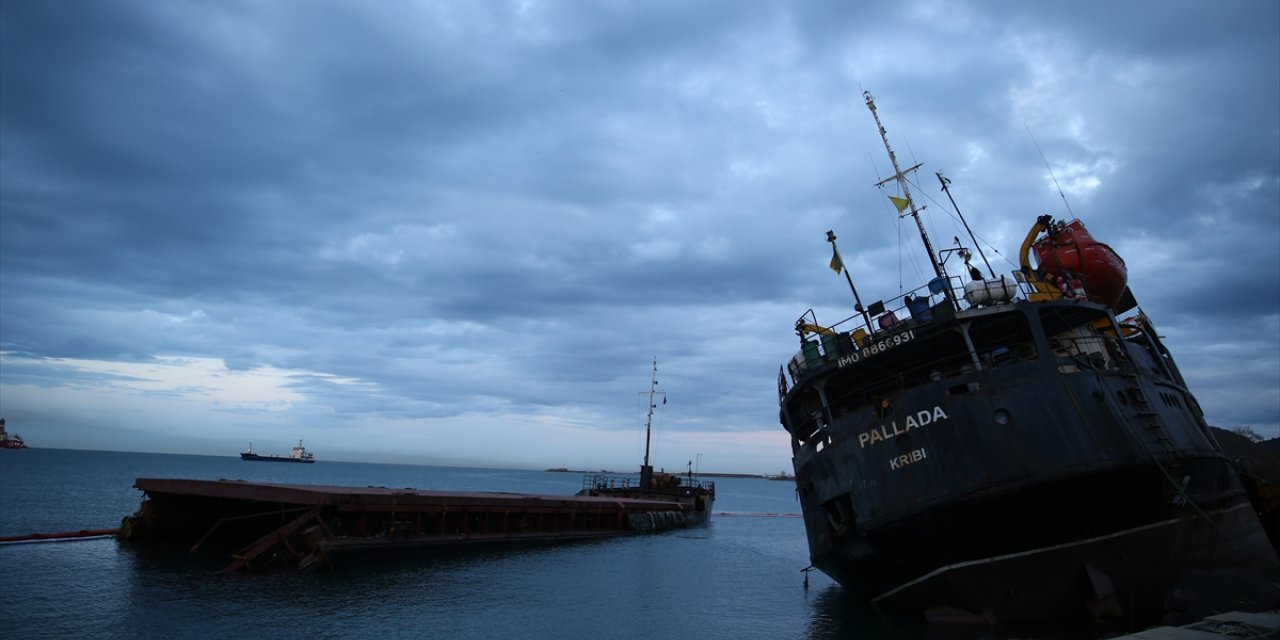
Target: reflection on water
(840, 614)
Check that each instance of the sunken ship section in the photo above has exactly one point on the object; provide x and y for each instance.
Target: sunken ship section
(299, 527)
(696, 497)
(1007, 445)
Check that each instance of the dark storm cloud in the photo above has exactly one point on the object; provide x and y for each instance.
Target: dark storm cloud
(440, 210)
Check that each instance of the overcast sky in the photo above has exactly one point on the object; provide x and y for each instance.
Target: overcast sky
(460, 232)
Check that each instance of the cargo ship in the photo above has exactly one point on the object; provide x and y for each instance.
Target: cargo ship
(10, 441)
(297, 454)
(696, 496)
(1008, 446)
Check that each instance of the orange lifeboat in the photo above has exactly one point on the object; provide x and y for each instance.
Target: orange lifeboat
(1068, 248)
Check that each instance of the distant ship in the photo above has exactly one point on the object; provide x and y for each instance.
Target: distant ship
(695, 496)
(297, 454)
(10, 441)
(1007, 445)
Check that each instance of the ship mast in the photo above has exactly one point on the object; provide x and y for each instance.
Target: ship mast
(646, 471)
(901, 177)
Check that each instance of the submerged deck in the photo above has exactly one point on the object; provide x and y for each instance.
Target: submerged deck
(299, 526)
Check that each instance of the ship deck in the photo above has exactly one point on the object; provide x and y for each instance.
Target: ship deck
(298, 526)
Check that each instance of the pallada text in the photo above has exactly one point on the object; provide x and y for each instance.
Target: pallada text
(893, 429)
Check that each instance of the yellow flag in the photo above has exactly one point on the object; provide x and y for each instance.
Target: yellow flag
(900, 203)
(836, 263)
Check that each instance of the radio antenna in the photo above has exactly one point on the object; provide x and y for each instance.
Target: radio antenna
(901, 177)
(1046, 166)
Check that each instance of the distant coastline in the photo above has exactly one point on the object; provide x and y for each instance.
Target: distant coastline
(701, 473)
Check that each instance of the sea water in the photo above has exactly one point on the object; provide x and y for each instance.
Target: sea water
(739, 577)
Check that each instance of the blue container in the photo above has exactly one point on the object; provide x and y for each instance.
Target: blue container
(919, 308)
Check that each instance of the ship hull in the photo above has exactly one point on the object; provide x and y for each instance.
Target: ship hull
(695, 510)
(1072, 476)
(260, 458)
(1080, 547)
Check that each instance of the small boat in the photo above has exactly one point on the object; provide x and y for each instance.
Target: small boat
(10, 441)
(694, 496)
(297, 454)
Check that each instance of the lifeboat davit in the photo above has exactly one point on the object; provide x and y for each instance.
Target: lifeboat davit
(1068, 248)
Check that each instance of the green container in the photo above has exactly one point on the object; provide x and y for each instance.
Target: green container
(829, 346)
(811, 356)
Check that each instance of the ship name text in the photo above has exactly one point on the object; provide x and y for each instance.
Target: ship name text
(893, 429)
(910, 457)
(876, 347)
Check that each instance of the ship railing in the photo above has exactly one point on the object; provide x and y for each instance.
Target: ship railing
(1042, 285)
(610, 482)
(606, 482)
(865, 332)
(886, 323)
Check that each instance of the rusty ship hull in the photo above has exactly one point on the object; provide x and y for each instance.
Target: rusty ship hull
(294, 527)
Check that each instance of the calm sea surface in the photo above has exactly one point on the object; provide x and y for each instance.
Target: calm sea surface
(737, 578)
